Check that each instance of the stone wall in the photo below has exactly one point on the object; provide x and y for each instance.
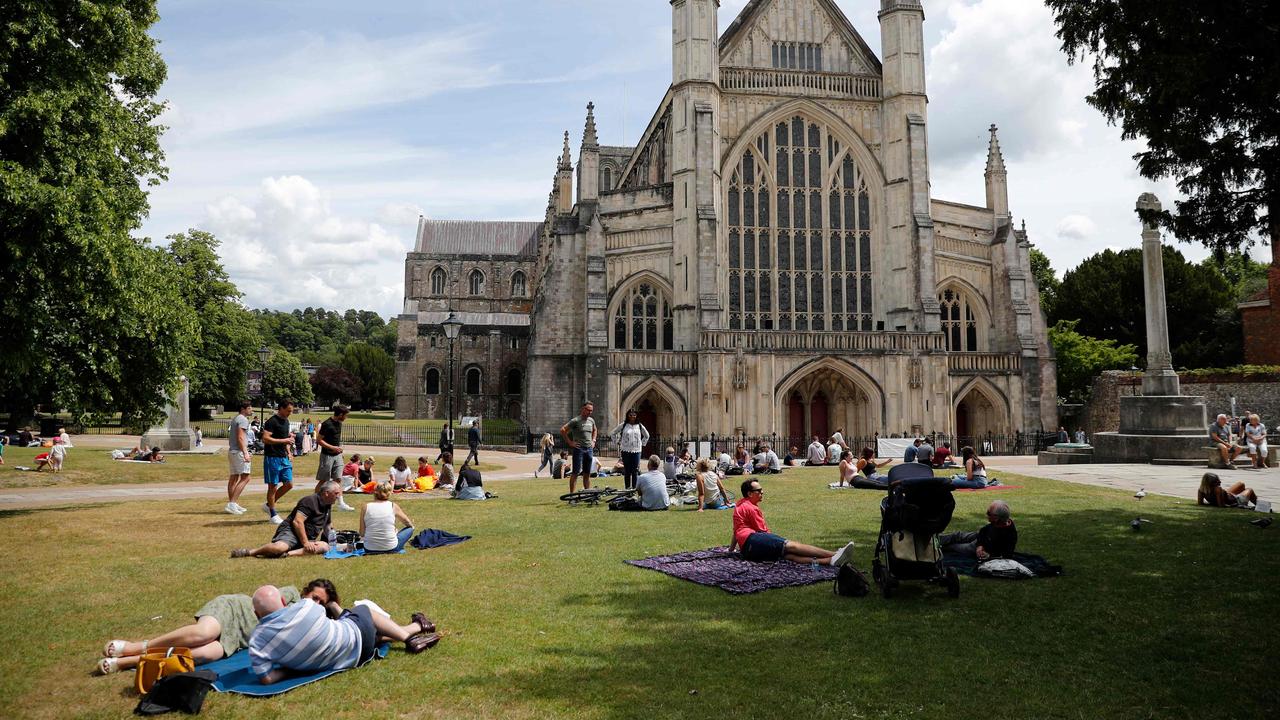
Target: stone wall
(1257, 393)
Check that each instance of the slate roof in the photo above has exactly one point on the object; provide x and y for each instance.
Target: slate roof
(478, 237)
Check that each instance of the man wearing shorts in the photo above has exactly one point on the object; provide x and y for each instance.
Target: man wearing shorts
(330, 440)
(752, 537)
(306, 529)
(1220, 436)
(1255, 438)
(277, 468)
(222, 627)
(580, 433)
(238, 457)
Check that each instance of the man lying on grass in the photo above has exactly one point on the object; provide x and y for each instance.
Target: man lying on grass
(303, 638)
(997, 539)
(752, 537)
(305, 530)
(221, 628)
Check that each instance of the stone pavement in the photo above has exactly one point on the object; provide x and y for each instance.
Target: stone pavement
(1173, 480)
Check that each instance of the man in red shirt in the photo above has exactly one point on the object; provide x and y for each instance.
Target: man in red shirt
(752, 537)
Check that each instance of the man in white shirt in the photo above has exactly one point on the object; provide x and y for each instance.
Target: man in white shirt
(766, 461)
(653, 486)
(833, 453)
(817, 453)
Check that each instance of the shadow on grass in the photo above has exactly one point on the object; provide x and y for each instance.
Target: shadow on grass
(1123, 633)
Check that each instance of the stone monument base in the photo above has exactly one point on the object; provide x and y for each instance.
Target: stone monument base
(170, 439)
(1131, 448)
(1066, 454)
(1155, 427)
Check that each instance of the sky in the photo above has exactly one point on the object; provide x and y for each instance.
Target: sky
(309, 136)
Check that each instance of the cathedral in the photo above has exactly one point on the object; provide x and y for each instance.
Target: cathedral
(768, 258)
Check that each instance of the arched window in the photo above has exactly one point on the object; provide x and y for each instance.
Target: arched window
(799, 218)
(431, 385)
(515, 381)
(438, 279)
(518, 285)
(608, 178)
(475, 283)
(959, 322)
(642, 320)
(473, 381)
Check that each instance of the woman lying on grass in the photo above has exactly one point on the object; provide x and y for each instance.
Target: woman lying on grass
(1211, 493)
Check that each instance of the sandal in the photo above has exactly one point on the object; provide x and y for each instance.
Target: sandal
(114, 649)
(108, 665)
(424, 622)
(418, 642)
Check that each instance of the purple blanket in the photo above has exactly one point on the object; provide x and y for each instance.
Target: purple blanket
(728, 571)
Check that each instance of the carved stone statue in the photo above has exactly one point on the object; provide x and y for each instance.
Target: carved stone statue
(739, 370)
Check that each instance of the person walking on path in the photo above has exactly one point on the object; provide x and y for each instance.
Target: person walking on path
(580, 433)
(631, 437)
(238, 457)
(446, 441)
(277, 468)
(473, 441)
(547, 446)
(330, 440)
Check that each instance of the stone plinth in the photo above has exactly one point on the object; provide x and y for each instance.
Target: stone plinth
(1066, 454)
(1163, 415)
(176, 433)
(1126, 448)
(170, 439)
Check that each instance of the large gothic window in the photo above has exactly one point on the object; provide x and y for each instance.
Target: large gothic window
(799, 219)
(438, 281)
(475, 282)
(518, 285)
(642, 320)
(959, 322)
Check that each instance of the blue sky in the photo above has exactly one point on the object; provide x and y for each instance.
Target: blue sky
(309, 136)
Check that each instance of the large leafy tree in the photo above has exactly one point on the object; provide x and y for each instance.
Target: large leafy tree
(285, 379)
(1080, 359)
(333, 385)
(375, 370)
(1105, 293)
(1046, 280)
(228, 335)
(89, 318)
(1199, 83)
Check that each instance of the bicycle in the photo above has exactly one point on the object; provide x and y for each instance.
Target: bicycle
(594, 496)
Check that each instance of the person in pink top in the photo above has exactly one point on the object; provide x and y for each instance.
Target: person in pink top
(752, 538)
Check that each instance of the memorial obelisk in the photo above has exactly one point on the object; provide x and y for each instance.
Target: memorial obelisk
(1161, 423)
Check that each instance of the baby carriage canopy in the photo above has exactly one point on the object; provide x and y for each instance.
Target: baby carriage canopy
(917, 502)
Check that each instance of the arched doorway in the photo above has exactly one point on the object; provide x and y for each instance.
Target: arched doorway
(657, 416)
(981, 413)
(825, 399)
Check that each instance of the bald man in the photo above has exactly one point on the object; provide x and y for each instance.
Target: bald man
(998, 538)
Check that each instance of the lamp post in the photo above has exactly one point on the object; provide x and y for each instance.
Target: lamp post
(452, 327)
(264, 353)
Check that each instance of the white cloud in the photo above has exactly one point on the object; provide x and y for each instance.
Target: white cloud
(285, 248)
(1076, 227)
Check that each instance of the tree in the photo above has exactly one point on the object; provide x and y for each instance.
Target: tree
(88, 315)
(1105, 293)
(1046, 280)
(1200, 87)
(285, 378)
(1080, 359)
(375, 370)
(333, 385)
(228, 336)
(1245, 275)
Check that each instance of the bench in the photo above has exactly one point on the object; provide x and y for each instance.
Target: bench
(1214, 458)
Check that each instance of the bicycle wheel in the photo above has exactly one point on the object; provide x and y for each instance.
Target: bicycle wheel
(582, 496)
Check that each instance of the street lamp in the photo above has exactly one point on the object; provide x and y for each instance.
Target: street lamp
(452, 327)
(264, 353)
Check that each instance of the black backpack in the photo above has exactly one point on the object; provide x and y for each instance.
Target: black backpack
(850, 582)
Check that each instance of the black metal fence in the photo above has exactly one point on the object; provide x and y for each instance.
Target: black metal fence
(395, 434)
(1017, 443)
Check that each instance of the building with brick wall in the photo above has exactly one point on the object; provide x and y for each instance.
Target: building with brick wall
(1261, 317)
(768, 257)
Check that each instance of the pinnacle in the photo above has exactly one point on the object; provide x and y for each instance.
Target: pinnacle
(995, 160)
(566, 161)
(589, 138)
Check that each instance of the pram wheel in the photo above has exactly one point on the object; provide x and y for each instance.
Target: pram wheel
(886, 588)
(953, 583)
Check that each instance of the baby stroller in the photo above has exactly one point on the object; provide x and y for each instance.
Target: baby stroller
(917, 508)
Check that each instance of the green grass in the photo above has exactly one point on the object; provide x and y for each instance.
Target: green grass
(94, 466)
(542, 619)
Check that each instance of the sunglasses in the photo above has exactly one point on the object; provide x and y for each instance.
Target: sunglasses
(758, 490)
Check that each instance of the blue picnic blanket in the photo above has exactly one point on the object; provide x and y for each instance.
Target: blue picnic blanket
(334, 553)
(432, 538)
(234, 675)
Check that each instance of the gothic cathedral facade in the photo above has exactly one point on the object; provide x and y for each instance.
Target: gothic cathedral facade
(767, 259)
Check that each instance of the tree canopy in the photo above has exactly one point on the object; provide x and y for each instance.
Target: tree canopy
(1200, 86)
(1046, 280)
(285, 379)
(1105, 294)
(1080, 358)
(318, 336)
(375, 371)
(89, 317)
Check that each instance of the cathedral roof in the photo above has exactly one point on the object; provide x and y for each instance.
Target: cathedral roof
(478, 237)
(753, 7)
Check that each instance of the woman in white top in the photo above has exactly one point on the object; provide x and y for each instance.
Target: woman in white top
(975, 471)
(711, 493)
(399, 474)
(631, 437)
(378, 523)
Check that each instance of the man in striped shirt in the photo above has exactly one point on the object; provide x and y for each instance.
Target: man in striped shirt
(303, 638)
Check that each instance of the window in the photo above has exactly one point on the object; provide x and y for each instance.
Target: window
(513, 342)
(438, 279)
(608, 178)
(518, 285)
(799, 224)
(797, 56)
(473, 381)
(432, 339)
(515, 381)
(959, 323)
(475, 283)
(431, 386)
(642, 320)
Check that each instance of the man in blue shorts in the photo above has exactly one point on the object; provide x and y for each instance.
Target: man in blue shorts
(277, 468)
(580, 433)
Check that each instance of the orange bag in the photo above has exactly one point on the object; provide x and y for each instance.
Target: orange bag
(154, 666)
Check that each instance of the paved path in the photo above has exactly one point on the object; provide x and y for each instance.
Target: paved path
(1174, 480)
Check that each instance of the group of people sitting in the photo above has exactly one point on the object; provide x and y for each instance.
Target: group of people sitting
(1237, 437)
(286, 632)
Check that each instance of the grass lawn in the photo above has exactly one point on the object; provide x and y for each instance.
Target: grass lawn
(94, 466)
(542, 619)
